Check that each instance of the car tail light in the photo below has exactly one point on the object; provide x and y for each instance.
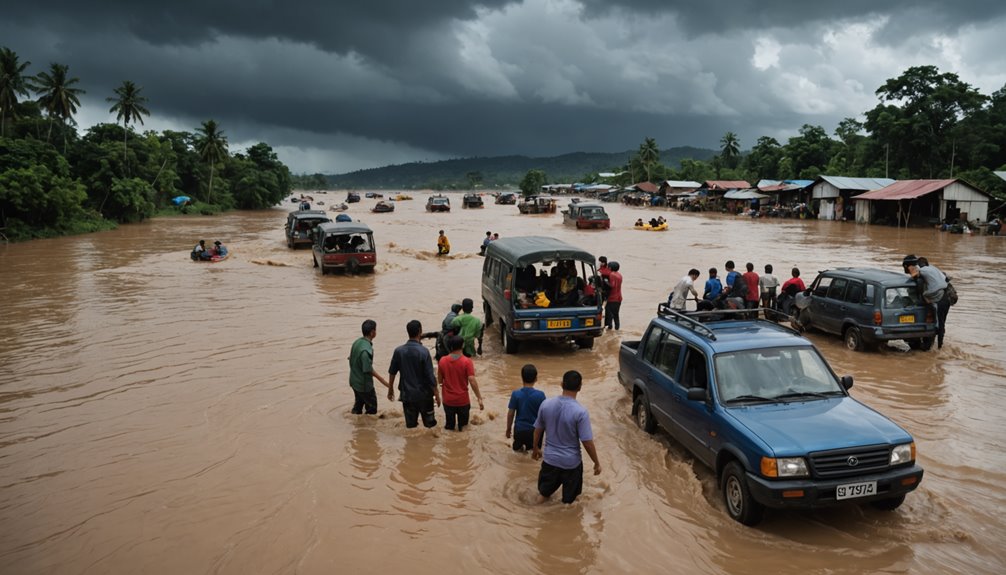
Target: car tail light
(878, 318)
(506, 294)
(930, 318)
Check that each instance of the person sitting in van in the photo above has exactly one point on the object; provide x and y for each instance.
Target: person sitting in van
(356, 243)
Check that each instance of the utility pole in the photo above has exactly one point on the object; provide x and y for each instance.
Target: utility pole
(953, 153)
(887, 157)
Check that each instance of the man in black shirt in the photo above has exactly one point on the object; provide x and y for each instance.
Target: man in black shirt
(418, 387)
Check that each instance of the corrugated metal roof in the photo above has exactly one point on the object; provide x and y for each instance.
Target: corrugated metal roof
(726, 184)
(647, 187)
(865, 184)
(801, 183)
(906, 190)
(681, 184)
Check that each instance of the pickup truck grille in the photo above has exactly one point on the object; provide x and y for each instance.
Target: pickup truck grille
(851, 461)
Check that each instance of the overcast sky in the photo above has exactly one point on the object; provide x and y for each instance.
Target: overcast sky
(339, 86)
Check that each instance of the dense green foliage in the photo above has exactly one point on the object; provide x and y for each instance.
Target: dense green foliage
(111, 174)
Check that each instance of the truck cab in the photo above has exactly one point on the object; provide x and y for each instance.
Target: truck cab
(760, 406)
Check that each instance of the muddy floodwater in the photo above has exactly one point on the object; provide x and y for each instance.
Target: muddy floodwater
(163, 416)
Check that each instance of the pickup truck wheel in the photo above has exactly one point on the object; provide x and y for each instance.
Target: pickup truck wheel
(740, 505)
(641, 413)
(509, 344)
(853, 338)
(889, 504)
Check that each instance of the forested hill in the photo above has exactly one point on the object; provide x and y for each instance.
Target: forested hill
(502, 171)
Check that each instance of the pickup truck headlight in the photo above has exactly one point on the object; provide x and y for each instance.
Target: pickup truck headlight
(784, 467)
(903, 454)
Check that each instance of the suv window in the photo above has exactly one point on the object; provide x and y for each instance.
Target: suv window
(837, 289)
(696, 373)
(821, 289)
(651, 343)
(901, 297)
(855, 292)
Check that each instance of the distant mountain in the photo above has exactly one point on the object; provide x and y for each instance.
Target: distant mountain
(501, 171)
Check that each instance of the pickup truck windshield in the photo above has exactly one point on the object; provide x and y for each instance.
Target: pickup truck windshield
(779, 374)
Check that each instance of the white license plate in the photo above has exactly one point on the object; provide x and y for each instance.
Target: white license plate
(852, 490)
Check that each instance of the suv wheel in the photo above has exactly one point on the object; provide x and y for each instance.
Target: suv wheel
(853, 338)
(585, 342)
(922, 343)
(641, 413)
(888, 504)
(740, 505)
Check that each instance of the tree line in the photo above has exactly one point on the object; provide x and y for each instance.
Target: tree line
(55, 181)
(927, 125)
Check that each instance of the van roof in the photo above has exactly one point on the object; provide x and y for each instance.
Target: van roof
(522, 251)
(344, 228)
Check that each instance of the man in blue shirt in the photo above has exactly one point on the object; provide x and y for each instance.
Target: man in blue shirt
(523, 410)
(418, 388)
(713, 286)
(565, 425)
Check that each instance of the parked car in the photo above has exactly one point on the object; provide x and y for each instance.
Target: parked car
(472, 201)
(867, 307)
(438, 203)
(347, 246)
(760, 406)
(585, 215)
(299, 229)
(537, 205)
(527, 306)
(352, 197)
(506, 198)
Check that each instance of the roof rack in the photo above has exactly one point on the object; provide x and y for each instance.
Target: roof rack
(695, 320)
(666, 311)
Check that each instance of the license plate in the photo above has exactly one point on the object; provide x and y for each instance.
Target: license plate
(852, 490)
(907, 319)
(558, 323)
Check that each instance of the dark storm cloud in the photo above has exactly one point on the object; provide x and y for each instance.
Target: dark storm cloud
(358, 84)
(704, 17)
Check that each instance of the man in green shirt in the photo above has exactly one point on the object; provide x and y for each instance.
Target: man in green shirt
(361, 370)
(469, 327)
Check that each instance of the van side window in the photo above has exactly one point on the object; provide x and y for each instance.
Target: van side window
(837, 289)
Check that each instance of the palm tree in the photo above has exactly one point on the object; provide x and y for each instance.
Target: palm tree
(730, 148)
(12, 83)
(212, 147)
(649, 155)
(57, 96)
(128, 106)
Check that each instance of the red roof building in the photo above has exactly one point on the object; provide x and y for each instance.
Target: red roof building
(923, 202)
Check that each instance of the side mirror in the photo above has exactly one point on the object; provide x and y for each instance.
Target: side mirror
(697, 394)
(847, 381)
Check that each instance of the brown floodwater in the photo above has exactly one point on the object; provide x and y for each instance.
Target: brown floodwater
(163, 416)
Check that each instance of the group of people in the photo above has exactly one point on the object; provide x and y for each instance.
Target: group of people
(553, 429)
(490, 237)
(654, 222)
(747, 290)
(201, 252)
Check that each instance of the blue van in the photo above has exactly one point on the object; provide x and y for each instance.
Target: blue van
(541, 288)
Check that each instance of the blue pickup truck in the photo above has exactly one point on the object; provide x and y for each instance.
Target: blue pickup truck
(758, 404)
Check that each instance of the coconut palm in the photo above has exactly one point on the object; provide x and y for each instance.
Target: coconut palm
(57, 96)
(649, 155)
(212, 146)
(128, 106)
(730, 148)
(12, 83)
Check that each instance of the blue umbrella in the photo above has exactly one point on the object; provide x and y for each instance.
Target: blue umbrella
(179, 200)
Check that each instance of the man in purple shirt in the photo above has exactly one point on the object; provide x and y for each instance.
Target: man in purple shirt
(565, 424)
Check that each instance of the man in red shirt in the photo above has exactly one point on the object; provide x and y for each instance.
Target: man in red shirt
(614, 297)
(793, 281)
(455, 373)
(753, 294)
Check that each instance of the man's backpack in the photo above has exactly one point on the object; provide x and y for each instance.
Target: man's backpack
(950, 293)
